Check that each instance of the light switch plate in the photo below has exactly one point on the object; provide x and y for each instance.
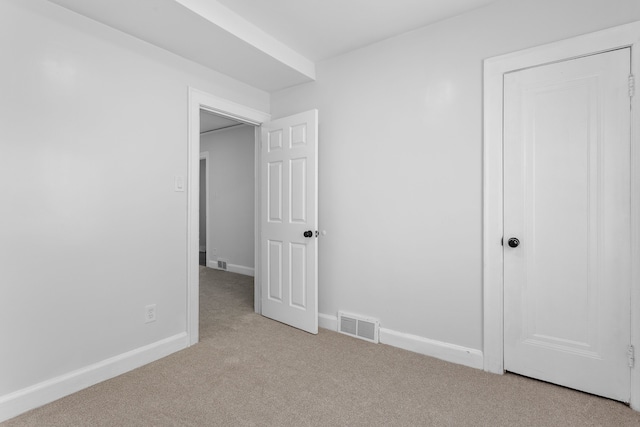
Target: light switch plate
(179, 183)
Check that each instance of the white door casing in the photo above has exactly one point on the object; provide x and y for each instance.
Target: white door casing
(303, 136)
(199, 100)
(289, 210)
(567, 199)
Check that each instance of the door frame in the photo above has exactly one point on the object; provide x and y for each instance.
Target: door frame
(200, 100)
(493, 280)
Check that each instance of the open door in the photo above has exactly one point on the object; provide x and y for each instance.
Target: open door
(289, 245)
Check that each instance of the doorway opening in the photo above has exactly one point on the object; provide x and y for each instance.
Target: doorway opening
(226, 214)
(286, 153)
(198, 102)
(227, 194)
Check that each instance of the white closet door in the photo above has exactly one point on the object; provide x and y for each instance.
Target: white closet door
(567, 201)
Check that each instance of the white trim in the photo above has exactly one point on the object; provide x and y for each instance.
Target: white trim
(327, 321)
(223, 107)
(635, 225)
(221, 129)
(232, 268)
(20, 401)
(257, 224)
(199, 100)
(440, 350)
(241, 269)
(494, 70)
(251, 34)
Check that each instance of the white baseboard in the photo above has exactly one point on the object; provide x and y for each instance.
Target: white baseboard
(233, 268)
(328, 321)
(240, 269)
(21, 401)
(438, 349)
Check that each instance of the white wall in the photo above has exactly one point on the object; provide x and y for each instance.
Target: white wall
(203, 205)
(231, 196)
(400, 157)
(93, 129)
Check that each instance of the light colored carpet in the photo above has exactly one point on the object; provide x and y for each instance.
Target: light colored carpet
(251, 371)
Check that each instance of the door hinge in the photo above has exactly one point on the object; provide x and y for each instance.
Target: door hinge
(632, 85)
(631, 354)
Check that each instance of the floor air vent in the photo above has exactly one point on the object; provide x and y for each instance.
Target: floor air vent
(359, 327)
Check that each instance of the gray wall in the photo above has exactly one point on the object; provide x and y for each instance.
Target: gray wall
(203, 205)
(93, 132)
(400, 157)
(231, 196)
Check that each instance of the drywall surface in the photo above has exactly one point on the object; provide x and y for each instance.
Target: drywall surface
(400, 160)
(203, 205)
(93, 130)
(231, 194)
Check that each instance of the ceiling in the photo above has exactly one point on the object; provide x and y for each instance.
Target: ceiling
(268, 44)
(321, 29)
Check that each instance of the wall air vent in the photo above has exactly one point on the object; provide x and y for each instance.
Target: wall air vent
(222, 264)
(358, 326)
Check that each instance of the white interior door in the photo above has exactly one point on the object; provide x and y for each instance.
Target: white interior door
(567, 200)
(289, 245)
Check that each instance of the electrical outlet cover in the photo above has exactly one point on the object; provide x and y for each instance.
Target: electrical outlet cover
(150, 313)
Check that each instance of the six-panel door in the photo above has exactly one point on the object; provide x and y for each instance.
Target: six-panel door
(289, 210)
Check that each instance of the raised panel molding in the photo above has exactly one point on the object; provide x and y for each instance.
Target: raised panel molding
(274, 267)
(297, 275)
(274, 188)
(298, 135)
(274, 140)
(298, 191)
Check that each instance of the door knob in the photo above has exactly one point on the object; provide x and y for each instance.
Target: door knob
(308, 233)
(513, 242)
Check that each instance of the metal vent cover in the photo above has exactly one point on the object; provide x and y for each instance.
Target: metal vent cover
(358, 326)
(222, 264)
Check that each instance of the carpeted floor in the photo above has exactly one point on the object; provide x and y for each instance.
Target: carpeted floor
(251, 371)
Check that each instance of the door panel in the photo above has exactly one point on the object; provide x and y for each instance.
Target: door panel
(274, 184)
(274, 270)
(567, 198)
(298, 197)
(290, 208)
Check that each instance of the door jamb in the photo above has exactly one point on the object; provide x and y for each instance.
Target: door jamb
(199, 100)
(493, 281)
